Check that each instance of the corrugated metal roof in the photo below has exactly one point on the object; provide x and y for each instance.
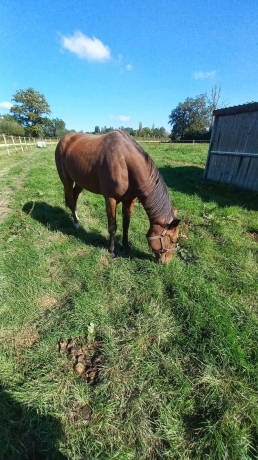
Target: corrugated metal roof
(245, 108)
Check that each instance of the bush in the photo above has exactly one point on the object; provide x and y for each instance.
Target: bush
(11, 128)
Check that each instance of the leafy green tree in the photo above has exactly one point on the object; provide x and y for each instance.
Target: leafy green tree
(34, 131)
(29, 110)
(163, 132)
(48, 128)
(191, 119)
(97, 130)
(6, 117)
(60, 129)
(106, 130)
(128, 130)
(54, 127)
(147, 132)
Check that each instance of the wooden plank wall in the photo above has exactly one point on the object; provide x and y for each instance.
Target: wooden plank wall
(233, 151)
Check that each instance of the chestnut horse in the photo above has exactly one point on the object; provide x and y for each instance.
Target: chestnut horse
(115, 166)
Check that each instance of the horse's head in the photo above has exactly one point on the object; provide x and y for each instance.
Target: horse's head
(163, 239)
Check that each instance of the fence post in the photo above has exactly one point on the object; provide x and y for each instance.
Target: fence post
(25, 143)
(6, 145)
(13, 143)
(20, 142)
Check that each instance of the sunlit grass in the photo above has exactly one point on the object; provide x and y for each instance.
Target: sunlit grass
(179, 342)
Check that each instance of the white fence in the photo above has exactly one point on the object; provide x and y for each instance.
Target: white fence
(12, 143)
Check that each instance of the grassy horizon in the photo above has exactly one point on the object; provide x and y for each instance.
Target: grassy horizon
(179, 373)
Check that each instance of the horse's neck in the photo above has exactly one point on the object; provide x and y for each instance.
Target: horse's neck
(154, 197)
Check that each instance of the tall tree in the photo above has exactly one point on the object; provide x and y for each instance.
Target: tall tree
(29, 110)
(217, 102)
(191, 118)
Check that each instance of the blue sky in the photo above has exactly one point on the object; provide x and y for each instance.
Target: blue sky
(121, 62)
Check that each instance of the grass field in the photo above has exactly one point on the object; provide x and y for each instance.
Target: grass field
(176, 363)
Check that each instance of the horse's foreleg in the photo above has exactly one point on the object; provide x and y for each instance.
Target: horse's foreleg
(111, 205)
(127, 209)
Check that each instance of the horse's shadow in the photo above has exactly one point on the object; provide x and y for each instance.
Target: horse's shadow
(190, 181)
(57, 219)
(24, 434)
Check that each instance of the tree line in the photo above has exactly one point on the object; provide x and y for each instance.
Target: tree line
(141, 132)
(191, 119)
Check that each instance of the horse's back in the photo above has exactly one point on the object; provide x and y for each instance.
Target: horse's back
(109, 164)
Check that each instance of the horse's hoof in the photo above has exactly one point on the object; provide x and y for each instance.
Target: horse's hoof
(76, 225)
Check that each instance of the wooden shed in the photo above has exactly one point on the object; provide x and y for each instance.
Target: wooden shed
(233, 151)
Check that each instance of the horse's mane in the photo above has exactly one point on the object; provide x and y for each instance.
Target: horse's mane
(153, 192)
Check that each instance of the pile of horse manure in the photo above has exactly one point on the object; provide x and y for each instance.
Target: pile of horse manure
(253, 235)
(85, 357)
(84, 413)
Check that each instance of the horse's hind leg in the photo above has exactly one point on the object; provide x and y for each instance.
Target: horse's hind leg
(76, 192)
(111, 205)
(71, 196)
(127, 209)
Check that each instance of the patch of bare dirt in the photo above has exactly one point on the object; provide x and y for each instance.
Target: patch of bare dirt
(85, 357)
(27, 337)
(4, 208)
(48, 302)
(4, 171)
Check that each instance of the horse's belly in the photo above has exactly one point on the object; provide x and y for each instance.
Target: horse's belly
(89, 182)
(108, 178)
(85, 175)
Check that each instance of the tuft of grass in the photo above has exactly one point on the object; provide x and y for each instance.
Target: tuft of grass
(179, 343)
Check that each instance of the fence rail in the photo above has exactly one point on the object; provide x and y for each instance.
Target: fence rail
(12, 143)
(194, 141)
(16, 143)
(169, 141)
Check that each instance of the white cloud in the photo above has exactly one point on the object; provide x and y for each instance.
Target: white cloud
(84, 47)
(129, 67)
(202, 75)
(5, 105)
(119, 118)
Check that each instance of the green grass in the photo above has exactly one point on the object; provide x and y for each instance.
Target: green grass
(179, 342)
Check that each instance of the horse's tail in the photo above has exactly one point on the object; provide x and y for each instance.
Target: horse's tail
(59, 157)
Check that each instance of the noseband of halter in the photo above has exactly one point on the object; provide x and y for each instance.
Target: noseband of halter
(163, 246)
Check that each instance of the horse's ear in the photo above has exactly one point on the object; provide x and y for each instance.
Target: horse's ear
(175, 222)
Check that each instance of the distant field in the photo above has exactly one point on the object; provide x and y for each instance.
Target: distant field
(187, 153)
(175, 360)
